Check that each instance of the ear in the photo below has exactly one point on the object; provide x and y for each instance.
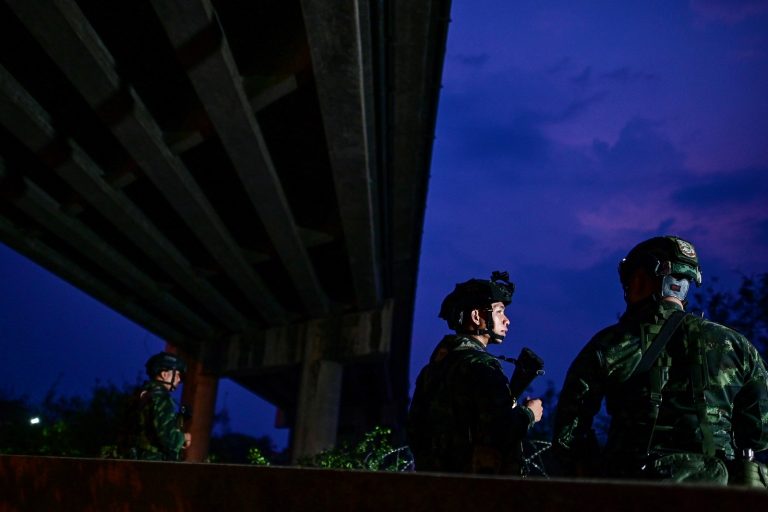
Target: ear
(475, 316)
(641, 285)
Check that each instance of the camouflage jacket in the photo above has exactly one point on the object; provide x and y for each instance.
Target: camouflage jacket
(734, 391)
(462, 417)
(154, 431)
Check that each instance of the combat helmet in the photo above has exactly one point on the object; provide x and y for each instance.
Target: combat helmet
(669, 257)
(163, 361)
(477, 294)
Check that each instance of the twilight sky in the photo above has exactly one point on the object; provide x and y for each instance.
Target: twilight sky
(567, 132)
(570, 131)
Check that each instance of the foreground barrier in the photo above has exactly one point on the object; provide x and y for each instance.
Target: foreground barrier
(55, 484)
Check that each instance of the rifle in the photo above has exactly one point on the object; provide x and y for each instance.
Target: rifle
(528, 366)
(184, 416)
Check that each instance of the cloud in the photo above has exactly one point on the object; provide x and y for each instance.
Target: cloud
(641, 151)
(583, 78)
(577, 107)
(521, 152)
(626, 75)
(729, 12)
(476, 60)
(520, 138)
(731, 189)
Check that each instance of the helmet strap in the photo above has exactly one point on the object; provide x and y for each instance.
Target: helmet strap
(174, 372)
(487, 315)
(489, 328)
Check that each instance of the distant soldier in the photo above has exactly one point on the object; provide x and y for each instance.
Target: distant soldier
(463, 418)
(154, 430)
(687, 397)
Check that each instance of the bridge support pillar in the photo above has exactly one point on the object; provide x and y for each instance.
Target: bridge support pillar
(199, 393)
(317, 411)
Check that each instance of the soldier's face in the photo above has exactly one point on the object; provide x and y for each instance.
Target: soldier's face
(167, 375)
(500, 320)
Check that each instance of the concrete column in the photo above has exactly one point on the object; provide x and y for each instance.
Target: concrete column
(317, 414)
(199, 392)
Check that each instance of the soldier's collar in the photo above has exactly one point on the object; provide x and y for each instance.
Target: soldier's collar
(465, 342)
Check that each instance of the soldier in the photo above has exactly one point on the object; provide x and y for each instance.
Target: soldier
(463, 417)
(686, 396)
(154, 431)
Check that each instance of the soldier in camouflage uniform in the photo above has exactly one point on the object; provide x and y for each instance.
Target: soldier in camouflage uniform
(686, 411)
(462, 417)
(154, 431)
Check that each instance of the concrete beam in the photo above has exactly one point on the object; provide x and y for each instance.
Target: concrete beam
(340, 45)
(356, 337)
(45, 211)
(417, 50)
(265, 97)
(67, 37)
(26, 244)
(219, 86)
(23, 116)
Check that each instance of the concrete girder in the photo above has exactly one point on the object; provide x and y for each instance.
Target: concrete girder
(65, 34)
(22, 115)
(218, 84)
(340, 47)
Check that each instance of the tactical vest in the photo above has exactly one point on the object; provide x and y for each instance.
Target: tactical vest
(140, 439)
(662, 410)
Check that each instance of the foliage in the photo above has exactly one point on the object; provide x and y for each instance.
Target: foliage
(68, 426)
(745, 310)
(256, 458)
(17, 435)
(78, 426)
(236, 448)
(374, 453)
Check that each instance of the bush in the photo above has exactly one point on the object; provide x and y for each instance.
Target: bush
(373, 453)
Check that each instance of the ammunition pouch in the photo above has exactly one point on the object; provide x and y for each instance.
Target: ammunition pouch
(689, 468)
(749, 473)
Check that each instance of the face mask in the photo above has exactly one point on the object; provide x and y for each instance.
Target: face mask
(672, 287)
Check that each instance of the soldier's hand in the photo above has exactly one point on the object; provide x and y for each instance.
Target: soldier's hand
(187, 440)
(536, 407)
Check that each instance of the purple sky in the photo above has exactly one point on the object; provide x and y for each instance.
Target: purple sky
(570, 131)
(567, 132)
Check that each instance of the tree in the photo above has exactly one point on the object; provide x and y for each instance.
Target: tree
(77, 426)
(82, 427)
(17, 433)
(745, 310)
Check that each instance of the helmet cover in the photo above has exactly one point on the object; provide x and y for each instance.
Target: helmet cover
(163, 361)
(475, 294)
(662, 256)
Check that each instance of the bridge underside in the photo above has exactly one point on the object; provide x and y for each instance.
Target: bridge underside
(246, 180)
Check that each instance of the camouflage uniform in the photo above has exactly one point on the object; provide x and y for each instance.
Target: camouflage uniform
(462, 417)
(155, 432)
(734, 398)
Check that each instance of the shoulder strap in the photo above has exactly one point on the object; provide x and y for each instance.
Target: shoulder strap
(652, 354)
(657, 380)
(698, 385)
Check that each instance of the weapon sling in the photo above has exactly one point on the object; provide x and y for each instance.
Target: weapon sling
(649, 357)
(652, 354)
